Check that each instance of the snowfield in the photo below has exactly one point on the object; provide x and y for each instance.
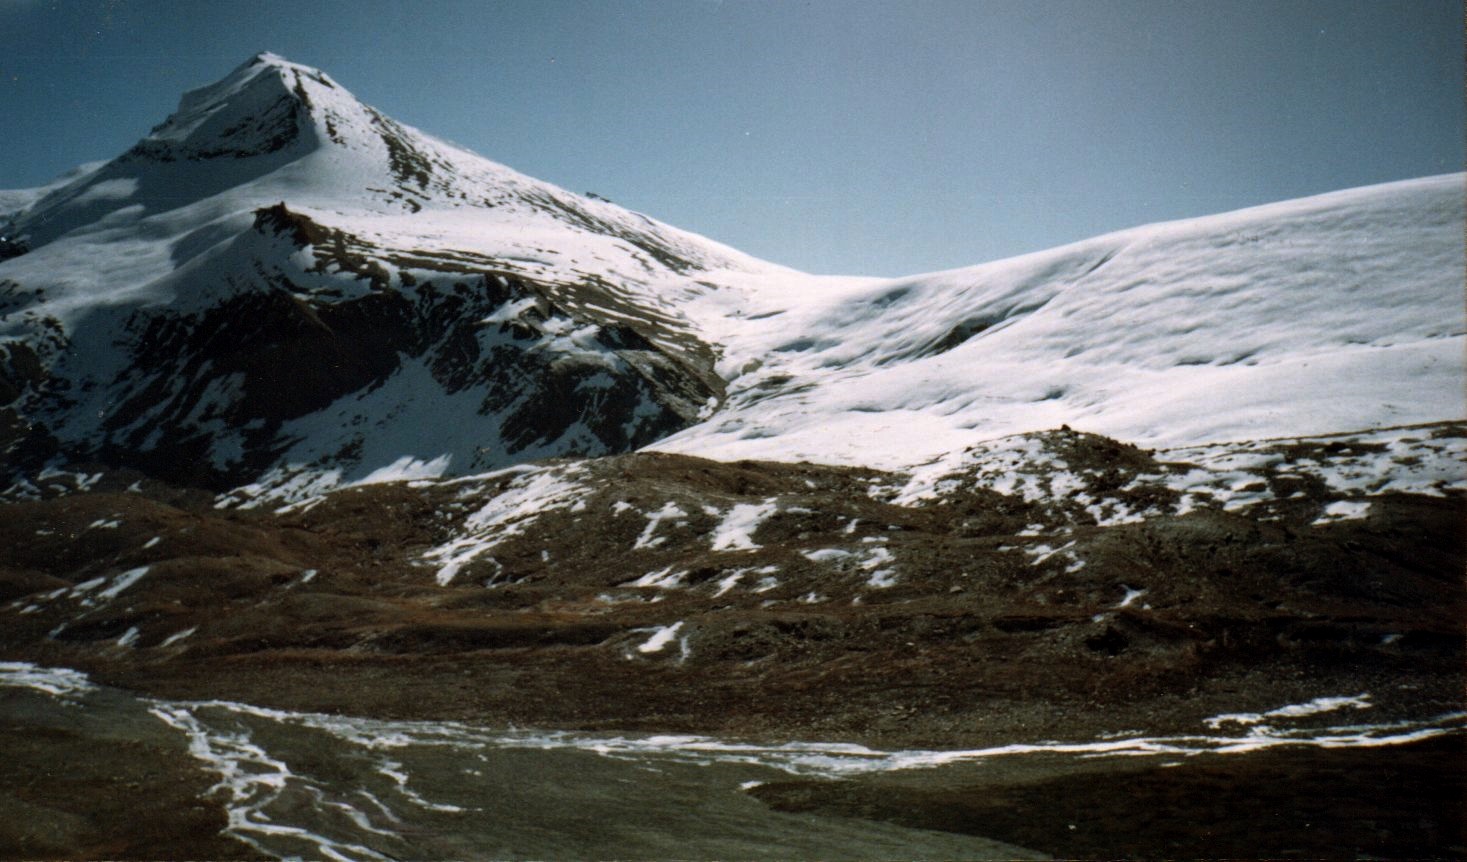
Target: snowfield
(1324, 315)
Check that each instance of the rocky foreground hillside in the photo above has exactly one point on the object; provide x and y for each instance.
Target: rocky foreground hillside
(1059, 584)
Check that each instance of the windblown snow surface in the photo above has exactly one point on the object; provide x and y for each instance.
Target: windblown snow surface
(1322, 315)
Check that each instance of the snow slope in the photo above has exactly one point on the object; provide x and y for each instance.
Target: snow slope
(1327, 314)
(275, 131)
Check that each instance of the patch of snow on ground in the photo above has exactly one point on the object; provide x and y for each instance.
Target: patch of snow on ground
(660, 639)
(669, 512)
(1231, 476)
(665, 579)
(250, 780)
(1344, 510)
(58, 682)
(1042, 553)
(286, 487)
(876, 557)
(122, 582)
(178, 636)
(834, 760)
(729, 581)
(407, 468)
(1130, 597)
(827, 555)
(1298, 710)
(509, 513)
(1395, 460)
(736, 532)
(881, 579)
(394, 770)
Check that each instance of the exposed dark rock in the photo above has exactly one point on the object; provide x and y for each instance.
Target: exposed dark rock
(12, 247)
(291, 350)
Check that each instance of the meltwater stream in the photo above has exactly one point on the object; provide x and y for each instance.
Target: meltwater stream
(302, 785)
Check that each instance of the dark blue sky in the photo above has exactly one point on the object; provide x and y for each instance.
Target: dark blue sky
(885, 137)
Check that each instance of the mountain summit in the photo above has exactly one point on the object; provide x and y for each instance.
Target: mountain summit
(276, 129)
(294, 278)
(262, 107)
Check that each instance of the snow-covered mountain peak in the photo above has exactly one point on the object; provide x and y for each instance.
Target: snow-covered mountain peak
(292, 277)
(272, 130)
(262, 106)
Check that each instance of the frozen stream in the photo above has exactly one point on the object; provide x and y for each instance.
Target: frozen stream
(320, 786)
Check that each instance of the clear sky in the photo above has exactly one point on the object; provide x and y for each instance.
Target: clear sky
(886, 137)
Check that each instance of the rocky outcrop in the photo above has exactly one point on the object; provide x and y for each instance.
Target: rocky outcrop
(206, 390)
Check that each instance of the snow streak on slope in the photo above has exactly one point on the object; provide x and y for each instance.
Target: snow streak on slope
(1327, 314)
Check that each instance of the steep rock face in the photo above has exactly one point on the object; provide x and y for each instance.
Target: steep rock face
(215, 389)
(262, 108)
